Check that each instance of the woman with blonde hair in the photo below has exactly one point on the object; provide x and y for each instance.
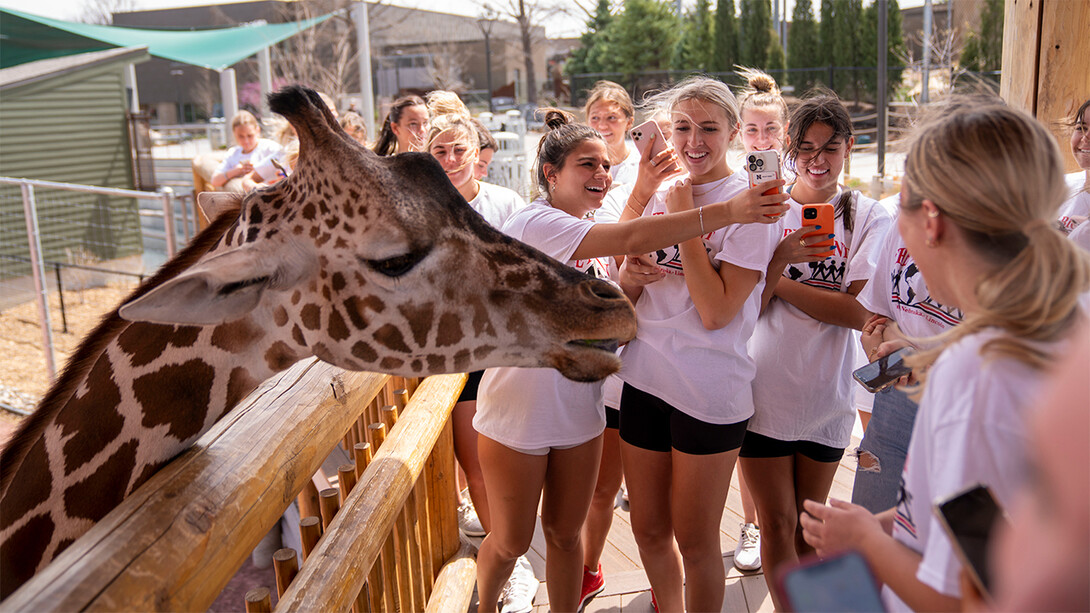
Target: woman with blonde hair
(687, 393)
(981, 191)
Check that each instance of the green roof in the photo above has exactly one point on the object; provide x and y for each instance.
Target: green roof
(26, 38)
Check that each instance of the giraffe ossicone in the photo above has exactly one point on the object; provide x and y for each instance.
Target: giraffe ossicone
(368, 263)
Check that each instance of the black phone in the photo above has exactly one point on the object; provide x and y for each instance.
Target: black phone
(842, 582)
(884, 372)
(970, 518)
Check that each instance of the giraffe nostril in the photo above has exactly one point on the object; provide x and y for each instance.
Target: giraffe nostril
(603, 289)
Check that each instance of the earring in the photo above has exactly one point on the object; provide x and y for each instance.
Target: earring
(933, 214)
(930, 242)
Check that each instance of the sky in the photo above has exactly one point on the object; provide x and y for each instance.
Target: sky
(560, 26)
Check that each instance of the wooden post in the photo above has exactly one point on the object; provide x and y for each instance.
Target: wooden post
(310, 530)
(330, 505)
(416, 563)
(442, 498)
(377, 433)
(258, 601)
(389, 575)
(347, 480)
(425, 536)
(308, 500)
(389, 416)
(361, 453)
(1046, 62)
(285, 567)
(401, 399)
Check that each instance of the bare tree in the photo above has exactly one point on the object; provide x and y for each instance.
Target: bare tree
(530, 16)
(447, 67)
(101, 12)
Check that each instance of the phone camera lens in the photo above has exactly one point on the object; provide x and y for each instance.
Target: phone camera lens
(760, 162)
(810, 213)
(753, 167)
(751, 158)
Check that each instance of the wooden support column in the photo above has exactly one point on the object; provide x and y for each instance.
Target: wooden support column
(1046, 62)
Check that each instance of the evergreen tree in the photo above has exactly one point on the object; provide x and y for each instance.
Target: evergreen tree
(895, 46)
(984, 46)
(694, 49)
(725, 33)
(634, 41)
(777, 61)
(584, 59)
(803, 46)
(755, 31)
(848, 48)
(827, 34)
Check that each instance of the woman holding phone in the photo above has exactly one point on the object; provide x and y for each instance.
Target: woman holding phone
(803, 344)
(982, 188)
(682, 417)
(540, 434)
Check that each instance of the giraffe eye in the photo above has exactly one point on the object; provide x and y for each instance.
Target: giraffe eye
(398, 265)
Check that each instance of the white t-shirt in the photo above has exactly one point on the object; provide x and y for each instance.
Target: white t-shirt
(264, 150)
(703, 373)
(1076, 208)
(625, 172)
(971, 428)
(803, 387)
(532, 408)
(898, 291)
(496, 203)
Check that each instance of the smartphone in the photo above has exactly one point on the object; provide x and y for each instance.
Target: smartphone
(884, 372)
(842, 582)
(819, 215)
(969, 518)
(763, 166)
(641, 135)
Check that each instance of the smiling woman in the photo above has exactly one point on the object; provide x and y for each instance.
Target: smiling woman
(539, 432)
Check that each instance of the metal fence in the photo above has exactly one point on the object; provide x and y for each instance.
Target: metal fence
(61, 237)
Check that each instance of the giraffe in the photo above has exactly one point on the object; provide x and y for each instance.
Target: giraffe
(367, 263)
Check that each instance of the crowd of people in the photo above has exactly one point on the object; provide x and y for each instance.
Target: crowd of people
(748, 332)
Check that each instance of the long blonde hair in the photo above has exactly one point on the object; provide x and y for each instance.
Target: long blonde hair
(997, 174)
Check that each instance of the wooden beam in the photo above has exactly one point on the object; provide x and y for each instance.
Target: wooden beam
(1046, 63)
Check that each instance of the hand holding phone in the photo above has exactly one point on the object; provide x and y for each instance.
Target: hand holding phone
(884, 372)
(842, 582)
(819, 216)
(969, 518)
(642, 138)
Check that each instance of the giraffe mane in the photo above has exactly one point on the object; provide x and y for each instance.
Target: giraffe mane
(108, 328)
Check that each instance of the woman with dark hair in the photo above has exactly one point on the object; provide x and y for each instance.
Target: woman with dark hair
(405, 127)
(803, 343)
(540, 434)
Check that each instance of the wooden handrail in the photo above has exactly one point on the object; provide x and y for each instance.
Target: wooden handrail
(177, 541)
(360, 529)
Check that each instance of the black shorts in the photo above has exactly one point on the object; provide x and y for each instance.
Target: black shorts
(613, 418)
(649, 423)
(469, 392)
(761, 446)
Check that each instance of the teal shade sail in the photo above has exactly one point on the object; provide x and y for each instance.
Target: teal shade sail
(26, 38)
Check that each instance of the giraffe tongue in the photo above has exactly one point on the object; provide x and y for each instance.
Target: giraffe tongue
(603, 344)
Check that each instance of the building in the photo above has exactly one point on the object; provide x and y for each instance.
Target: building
(412, 50)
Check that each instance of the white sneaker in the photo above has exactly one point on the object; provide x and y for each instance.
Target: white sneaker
(747, 555)
(521, 589)
(468, 522)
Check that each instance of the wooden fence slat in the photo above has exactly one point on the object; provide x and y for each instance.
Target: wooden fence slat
(358, 531)
(346, 480)
(428, 570)
(331, 503)
(285, 567)
(258, 600)
(453, 589)
(310, 530)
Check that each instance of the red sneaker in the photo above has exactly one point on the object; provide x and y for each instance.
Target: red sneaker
(593, 584)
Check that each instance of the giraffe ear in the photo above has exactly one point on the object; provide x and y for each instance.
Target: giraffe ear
(213, 204)
(220, 289)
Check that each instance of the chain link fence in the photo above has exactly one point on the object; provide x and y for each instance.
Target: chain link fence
(68, 253)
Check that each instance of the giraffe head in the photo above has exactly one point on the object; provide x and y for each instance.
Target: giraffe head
(377, 263)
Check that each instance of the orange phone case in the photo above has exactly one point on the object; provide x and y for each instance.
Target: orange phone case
(819, 215)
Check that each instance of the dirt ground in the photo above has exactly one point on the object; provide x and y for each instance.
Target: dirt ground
(23, 376)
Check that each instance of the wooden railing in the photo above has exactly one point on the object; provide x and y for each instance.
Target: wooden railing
(177, 541)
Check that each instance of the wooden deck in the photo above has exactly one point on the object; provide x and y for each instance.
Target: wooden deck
(626, 584)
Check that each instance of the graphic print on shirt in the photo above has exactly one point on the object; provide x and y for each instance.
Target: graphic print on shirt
(906, 283)
(826, 274)
(903, 516)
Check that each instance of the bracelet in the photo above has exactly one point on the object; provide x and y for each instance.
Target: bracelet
(629, 206)
(700, 212)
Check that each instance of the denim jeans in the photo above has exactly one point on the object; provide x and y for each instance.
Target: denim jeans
(882, 451)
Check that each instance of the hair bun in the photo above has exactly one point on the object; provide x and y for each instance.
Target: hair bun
(557, 118)
(763, 83)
